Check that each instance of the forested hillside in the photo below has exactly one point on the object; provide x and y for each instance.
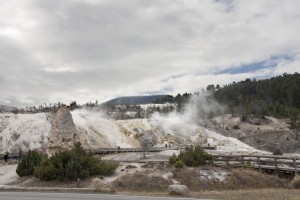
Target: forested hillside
(278, 96)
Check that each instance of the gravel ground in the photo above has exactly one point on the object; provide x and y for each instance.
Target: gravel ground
(8, 173)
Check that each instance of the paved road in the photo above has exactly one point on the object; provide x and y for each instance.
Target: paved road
(75, 196)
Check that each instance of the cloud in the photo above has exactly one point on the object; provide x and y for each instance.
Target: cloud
(63, 50)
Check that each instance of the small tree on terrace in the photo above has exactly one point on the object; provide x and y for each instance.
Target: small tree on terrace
(192, 157)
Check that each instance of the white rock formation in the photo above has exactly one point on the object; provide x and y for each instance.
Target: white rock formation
(181, 190)
(148, 139)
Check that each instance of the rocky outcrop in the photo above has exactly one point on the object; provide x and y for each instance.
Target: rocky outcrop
(148, 139)
(63, 132)
(181, 190)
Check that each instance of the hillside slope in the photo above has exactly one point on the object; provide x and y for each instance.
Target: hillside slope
(28, 131)
(266, 133)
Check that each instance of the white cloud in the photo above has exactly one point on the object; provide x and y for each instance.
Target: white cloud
(288, 66)
(64, 50)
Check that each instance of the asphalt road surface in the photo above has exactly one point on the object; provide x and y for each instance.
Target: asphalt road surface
(76, 196)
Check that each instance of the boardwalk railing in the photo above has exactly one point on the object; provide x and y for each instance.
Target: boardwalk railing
(153, 149)
(122, 150)
(277, 164)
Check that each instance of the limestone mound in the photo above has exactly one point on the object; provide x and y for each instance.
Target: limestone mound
(63, 132)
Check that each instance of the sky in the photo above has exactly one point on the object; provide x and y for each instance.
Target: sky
(88, 50)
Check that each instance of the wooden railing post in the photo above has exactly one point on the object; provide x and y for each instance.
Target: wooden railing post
(258, 160)
(227, 162)
(242, 161)
(276, 165)
(295, 166)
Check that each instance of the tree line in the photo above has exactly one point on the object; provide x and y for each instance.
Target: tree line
(278, 96)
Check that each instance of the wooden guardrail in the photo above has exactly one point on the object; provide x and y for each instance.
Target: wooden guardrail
(261, 162)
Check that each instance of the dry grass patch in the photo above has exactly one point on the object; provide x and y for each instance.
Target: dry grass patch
(141, 182)
(246, 179)
(191, 178)
(100, 186)
(237, 179)
(34, 182)
(295, 184)
(251, 194)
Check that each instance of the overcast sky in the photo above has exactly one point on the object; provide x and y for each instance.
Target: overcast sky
(88, 50)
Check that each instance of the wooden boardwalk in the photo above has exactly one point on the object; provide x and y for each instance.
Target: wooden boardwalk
(268, 163)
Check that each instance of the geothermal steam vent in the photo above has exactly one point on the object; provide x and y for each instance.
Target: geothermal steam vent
(63, 132)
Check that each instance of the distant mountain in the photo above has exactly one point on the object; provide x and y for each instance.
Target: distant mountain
(4, 109)
(136, 100)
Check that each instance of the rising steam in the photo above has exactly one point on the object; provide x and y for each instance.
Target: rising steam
(187, 123)
(190, 124)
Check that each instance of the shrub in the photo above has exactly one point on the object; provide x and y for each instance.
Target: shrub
(296, 182)
(236, 127)
(30, 161)
(194, 156)
(257, 123)
(277, 152)
(179, 164)
(249, 165)
(244, 118)
(103, 168)
(173, 159)
(47, 171)
(73, 164)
